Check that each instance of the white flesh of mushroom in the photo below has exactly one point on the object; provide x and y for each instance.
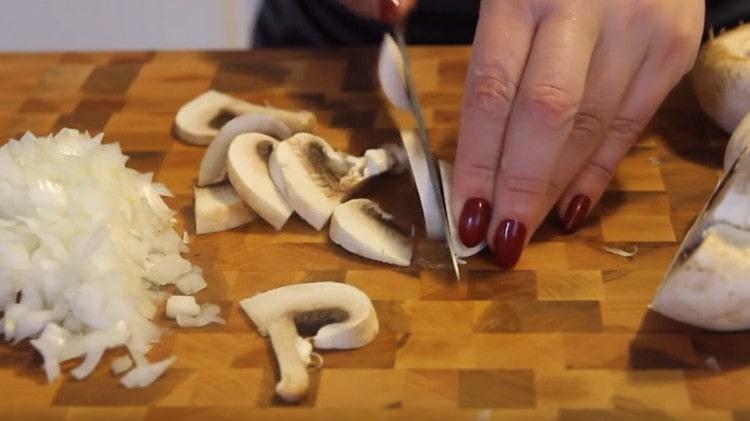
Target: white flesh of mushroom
(361, 227)
(274, 312)
(199, 120)
(446, 173)
(391, 73)
(433, 220)
(219, 208)
(247, 165)
(721, 77)
(314, 178)
(213, 167)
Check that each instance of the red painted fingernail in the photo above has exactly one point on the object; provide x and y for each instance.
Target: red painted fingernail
(475, 217)
(578, 209)
(389, 10)
(509, 239)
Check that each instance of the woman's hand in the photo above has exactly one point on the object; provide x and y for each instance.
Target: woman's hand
(556, 94)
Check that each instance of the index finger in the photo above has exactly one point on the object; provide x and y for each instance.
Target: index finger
(501, 45)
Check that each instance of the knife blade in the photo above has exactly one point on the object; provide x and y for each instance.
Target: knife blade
(416, 110)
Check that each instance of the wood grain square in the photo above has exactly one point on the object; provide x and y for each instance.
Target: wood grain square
(431, 389)
(57, 104)
(267, 396)
(590, 255)
(573, 285)
(110, 79)
(64, 79)
(639, 171)
(446, 317)
(27, 413)
(216, 387)
(728, 350)
(519, 350)
(136, 413)
(496, 389)
(543, 256)
(726, 389)
(537, 316)
(439, 286)
(625, 351)
(506, 285)
(627, 413)
(26, 385)
(437, 350)
(236, 76)
(385, 285)
(631, 285)
(375, 388)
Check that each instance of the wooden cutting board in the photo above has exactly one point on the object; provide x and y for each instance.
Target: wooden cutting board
(567, 333)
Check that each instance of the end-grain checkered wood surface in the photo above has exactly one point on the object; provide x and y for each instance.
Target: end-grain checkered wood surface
(567, 333)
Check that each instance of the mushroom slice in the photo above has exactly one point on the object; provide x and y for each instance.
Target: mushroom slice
(360, 226)
(314, 178)
(721, 77)
(199, 120)
(342, 314)
(247, 165)
(433, 220)
(214, 164)
(219, 208)
(446, 173)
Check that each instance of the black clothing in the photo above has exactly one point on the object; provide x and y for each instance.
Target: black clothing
(326, 23)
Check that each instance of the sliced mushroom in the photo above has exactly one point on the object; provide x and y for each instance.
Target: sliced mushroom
(360, 226)
(721, 77)
(391, 73)
(446, 173)
(247, 165)
(314, 178)
(199, 120)
(214, 164)
(433, 220)
(343, 316)
(219, 208)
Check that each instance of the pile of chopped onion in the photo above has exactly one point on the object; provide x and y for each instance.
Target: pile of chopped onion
(85, 244)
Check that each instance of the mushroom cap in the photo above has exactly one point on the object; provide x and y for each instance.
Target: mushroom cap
(361, 227)
(711, 289)
(721, 77)
(219, 208)
(213, 167)
(198, 121)
(313, 177)
(286, 302)
(247, 166)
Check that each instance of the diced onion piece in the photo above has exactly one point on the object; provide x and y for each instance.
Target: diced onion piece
(191, 282)
(122, 364)
(209, 313)
(182, 304)
(144, 375)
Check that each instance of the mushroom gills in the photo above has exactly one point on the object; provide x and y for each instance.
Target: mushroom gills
(446, 174)
(247, 165)
(721, 77)
(199, 120)
(213, 167)
(275, 312)
(314, 178)
(361, 227)
(219, 208)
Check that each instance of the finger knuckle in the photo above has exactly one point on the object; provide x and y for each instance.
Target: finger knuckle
(587, 126)
(524, 187)
(625, 129)
(599, 171)
(551, 103)
(491, 90)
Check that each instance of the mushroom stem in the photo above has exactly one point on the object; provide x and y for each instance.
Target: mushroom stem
(293, 371)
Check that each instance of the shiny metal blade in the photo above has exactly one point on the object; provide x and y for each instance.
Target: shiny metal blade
(425, 142)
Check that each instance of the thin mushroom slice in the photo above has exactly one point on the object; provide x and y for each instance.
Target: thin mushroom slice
(446, 174)
(361, 227)
(199, 120)
(247, 165)
(345, 315)
(219, 208)
(213, 167)
(433, 220)
(314, 178)
(721, 77)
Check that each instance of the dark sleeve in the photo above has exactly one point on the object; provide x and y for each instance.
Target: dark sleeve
(726, 13)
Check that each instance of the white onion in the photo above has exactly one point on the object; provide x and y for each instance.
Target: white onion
(209, 313)
(85, 242)
(122, 364)
(182, 304)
